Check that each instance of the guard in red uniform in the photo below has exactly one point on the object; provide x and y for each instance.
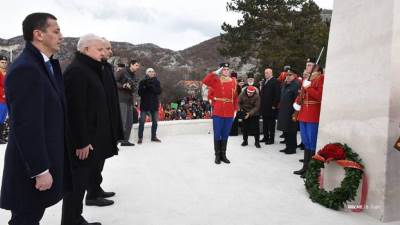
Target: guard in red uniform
(308, 117)
(225, 105)
(3, 106)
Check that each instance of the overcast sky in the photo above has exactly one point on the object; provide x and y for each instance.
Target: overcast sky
(173, 24)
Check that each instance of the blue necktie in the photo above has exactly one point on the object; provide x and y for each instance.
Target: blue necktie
(50, 67)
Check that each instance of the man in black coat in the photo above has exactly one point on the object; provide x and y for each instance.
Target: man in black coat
(92, 138)
(270, 96)
(36, 160)
(95, 194)
(149, 92)
(290, 90)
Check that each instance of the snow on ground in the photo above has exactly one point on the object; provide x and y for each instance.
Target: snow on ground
(177, 183)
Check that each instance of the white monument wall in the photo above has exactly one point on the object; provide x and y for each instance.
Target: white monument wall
(361, 99)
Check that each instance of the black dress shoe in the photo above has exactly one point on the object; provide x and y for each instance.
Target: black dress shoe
(263, 139)
(99, 202)
(257, 145)
(301, 146)
(82, 221)
(127, 143)
(282, 136)
(283, 142)
(283, 150)
(289, 152)
(244, 143)
(269, 142)
(107, 194)
(301, 160)
(155, 139)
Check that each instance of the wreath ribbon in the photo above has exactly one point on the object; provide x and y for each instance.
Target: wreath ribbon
(347, 164)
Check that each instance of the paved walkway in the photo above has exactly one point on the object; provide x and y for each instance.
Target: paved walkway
(177, 183)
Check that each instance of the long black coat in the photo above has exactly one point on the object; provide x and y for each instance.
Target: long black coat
(88, 109)
(149, 92)
(36, 103)
(111, 90)
(288, 96)
(270, 96)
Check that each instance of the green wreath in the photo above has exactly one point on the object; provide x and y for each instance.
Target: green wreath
(338, 197)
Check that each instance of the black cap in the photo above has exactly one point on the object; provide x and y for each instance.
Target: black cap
(224, 65)
(2, 57)
(291, 72)
(311, 60)
(121, 65)
(250, 75)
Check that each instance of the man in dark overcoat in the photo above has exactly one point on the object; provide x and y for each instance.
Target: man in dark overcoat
(290, 90)
(36, 164)
(89, 118)
(270, 96)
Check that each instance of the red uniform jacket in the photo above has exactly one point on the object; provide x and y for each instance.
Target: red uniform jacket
(2, 84)
(225, 99)
(311, 107)
(282, 77)
(210, 96)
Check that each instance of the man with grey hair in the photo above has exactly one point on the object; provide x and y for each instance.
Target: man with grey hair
(91, 139)
(95, 193)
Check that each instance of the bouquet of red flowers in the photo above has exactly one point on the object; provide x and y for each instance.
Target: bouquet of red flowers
(332, 152)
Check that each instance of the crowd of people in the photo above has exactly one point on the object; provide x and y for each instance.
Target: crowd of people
(189, 108)
(63, 126)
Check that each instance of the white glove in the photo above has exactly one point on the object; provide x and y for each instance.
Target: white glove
(306, 83)
(234, 114)
(218, 71)
(296, 106)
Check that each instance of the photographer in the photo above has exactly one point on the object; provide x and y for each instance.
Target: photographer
(127, 84)
(149, 92)
(249, 104)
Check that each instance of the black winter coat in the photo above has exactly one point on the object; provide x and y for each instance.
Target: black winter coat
(149, 92)
(37, 138)
(111, 90)
(88, 109)
(288, 96)
(270, 96)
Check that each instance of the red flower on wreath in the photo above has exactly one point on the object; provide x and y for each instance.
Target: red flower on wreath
(332, 152)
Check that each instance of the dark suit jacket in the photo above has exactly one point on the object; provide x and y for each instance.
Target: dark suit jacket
(36, 106)
(270, 96)
(88, 110)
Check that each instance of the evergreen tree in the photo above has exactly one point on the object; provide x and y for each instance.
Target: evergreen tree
(275, 32)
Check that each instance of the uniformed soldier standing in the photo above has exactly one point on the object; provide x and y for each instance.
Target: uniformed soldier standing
(308, 105)
(225, 103)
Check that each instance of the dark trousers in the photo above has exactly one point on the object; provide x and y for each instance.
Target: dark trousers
(235, 127)
(127, 118)
(73, 201)
(154, 123)
(291, 141)
(26, 218)
(269, 128)
(246, 136)
(94, 189)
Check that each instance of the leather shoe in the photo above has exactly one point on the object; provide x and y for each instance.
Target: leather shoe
(283, 142)
(82, 221)
(107, 194)
(155, 139)
(127, 143)
(99, 202)
(283, 150)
